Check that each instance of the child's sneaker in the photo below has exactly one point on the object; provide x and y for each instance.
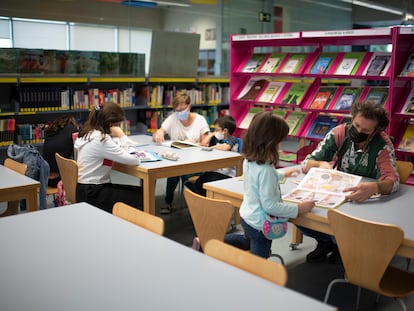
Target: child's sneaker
(167, 209)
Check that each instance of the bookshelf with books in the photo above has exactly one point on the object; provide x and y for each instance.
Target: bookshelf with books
(329, 60)
(33, 101)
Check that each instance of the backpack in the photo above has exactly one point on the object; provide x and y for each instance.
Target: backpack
(37, 167)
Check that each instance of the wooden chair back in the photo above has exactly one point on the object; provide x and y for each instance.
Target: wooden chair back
(18, 167)
(150, 222)
(211, 218)
(68, 170)
(366, 248)
(404, 169)
(267, 269)
(21, 168)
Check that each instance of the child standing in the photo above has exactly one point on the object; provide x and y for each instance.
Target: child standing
(221, 139)
(100, 142)
(262, 196)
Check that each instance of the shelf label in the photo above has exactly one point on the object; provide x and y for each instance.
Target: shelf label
(348, 32)
(266, 36)
(406, 30)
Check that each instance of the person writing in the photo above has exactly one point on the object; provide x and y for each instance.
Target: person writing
(181, 125)
(362, 148)
(100, 142)
(58, 138)
(262, 196)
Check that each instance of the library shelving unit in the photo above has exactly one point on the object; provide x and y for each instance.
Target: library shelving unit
(338, 68)
(30, 101)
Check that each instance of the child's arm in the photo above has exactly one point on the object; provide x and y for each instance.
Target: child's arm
(225, 147)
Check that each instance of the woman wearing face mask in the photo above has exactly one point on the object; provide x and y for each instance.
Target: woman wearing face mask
(362, 148)
(181, 125)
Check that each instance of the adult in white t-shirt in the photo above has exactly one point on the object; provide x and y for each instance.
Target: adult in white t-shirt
(181, 125)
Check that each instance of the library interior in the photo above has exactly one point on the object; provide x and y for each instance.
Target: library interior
(307, 62)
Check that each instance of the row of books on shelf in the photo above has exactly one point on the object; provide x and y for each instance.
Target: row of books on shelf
(38, 61)
(406, 143)
(54, 98)
(307, 124)
(265, 90)
(32, 133)
(330, 63)
(160, 95)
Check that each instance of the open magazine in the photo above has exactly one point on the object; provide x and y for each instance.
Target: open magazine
(324, 186)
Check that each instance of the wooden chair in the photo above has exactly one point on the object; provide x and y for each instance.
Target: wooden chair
(404, 169)
(68, 170)
(366, 249)
(147, 221)
(211, 218)
(267, 269)
(21, 168)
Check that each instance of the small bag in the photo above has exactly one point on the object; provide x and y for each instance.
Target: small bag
(274, 227)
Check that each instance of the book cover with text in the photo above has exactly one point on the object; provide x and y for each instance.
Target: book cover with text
(271, 92)
(293, 63)
(294, 119)
(321, 126)
(378, 64)
(348, 97)
(322, 64)
(244, 124)
(378, 95)
(253, 63)
(350, 63)
(272, 63)
(295, 94)
(322, 98)
(252, 88)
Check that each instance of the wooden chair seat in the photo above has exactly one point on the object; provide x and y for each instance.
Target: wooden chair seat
(267, 269)
(150, 222)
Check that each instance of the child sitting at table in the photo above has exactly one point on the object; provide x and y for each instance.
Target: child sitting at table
(220, 139)
(100, 142)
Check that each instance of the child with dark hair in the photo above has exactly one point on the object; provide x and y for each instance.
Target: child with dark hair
(58, 138)
(100, 142)
(220, 139)
(262, 197)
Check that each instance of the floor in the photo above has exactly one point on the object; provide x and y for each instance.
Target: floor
(309, 279)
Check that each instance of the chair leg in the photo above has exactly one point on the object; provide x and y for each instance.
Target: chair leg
(358, 298)
(402, 304)
(328, 290)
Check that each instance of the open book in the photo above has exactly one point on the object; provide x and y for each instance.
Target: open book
(180, 144)
(324, 186)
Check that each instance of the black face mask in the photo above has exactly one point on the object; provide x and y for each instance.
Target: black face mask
(355, 136)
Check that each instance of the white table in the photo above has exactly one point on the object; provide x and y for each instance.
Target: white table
(15, 186)
(79, 257)
(190, 161)
(396, 208)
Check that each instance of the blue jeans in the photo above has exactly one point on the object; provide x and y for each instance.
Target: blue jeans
(252, 238)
